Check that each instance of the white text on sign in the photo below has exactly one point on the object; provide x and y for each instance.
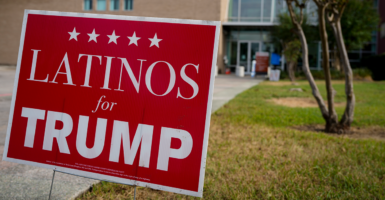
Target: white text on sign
(124, 63)
(120, 132)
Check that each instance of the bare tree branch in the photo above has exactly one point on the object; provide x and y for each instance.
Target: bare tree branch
(292, 13)
(343, 7)
(301, 15)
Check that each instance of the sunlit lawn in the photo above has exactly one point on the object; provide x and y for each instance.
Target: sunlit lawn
(254, 153)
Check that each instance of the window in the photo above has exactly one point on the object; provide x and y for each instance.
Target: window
(263, 11)
(101, 5)
(87, 4)
(128, 4)
(251, 10)
(233, 53)
(233, 10)
(279, 8)
(266, 10)
(312, 12)
(114, 5)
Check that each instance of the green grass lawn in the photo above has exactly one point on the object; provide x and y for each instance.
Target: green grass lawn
(251, 106)
(255, 154)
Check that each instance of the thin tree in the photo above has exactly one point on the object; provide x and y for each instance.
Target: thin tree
(332, 11)
(335, 11)
(297, 20)
(332, 120)
(356, 31)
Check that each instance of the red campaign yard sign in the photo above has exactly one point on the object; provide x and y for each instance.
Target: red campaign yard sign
(118, 98)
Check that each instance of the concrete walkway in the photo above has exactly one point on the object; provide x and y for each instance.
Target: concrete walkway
(227, 87)
(19, 181)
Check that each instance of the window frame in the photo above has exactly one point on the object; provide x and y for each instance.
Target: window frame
(105, 6)
(125, 5)
(84, 5)
(113, 4)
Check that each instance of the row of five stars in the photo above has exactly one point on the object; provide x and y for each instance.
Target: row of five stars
(113, 38)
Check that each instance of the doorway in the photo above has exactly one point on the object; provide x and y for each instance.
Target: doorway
(246, 53)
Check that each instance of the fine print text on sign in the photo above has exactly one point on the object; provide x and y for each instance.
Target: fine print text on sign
(125, 99)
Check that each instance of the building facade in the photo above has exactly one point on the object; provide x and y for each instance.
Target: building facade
(246, 24)
(247, 30)
(12, 12)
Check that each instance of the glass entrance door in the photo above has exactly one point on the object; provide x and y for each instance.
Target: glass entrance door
(246, 54)
(243, 55)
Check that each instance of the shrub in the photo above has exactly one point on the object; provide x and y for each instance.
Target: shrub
(361, 73)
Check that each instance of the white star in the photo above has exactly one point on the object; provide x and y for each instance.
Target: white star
(92, 36)
(133, 39)
(113, 38)
(74, 35)
(155, 41)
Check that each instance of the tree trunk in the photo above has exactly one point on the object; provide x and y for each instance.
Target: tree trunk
(290, 70)
(295, 67)
(305, 61)
(348, 115)
(336, 59)
(332, 119)
(309, 76)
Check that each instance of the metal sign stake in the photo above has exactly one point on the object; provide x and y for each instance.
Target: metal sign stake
(135, 193)
(53, 176)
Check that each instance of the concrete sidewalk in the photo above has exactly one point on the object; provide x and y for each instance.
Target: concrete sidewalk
(19, 181)
(227, 87)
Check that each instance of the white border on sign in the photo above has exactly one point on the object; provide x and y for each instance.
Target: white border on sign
(199, 193)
